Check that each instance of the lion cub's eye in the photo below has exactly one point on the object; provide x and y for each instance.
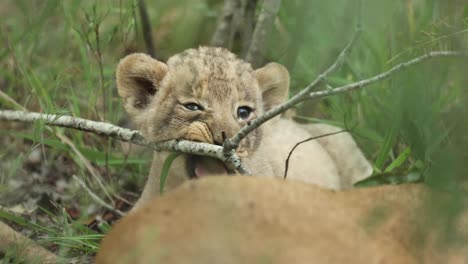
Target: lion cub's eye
(193, 107)
(244, 112)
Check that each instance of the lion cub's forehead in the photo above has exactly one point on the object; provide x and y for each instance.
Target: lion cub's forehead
(213, 71)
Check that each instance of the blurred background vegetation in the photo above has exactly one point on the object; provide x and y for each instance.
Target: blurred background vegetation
(60, 57)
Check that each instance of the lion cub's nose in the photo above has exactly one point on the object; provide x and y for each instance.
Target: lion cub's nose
(199, 131)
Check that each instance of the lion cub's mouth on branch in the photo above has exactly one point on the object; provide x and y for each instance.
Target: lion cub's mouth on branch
(198, 166)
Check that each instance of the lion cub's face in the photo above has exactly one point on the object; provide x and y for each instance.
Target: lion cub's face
(203, 95)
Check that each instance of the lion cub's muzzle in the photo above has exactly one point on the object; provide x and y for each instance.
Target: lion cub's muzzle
(199, 166)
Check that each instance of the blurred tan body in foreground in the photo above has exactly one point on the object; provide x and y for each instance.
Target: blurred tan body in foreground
(262, 220)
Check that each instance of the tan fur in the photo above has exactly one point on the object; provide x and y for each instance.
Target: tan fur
(259, 220)
(155, 93)
(344, 151)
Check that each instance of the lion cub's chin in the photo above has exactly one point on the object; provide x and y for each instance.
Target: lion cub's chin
(198, 166)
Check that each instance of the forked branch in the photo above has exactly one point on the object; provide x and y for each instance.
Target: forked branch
(306, 93)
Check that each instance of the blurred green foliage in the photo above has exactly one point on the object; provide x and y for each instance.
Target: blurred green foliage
(60, 56)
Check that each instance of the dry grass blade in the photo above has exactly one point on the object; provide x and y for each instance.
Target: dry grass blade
(25, 247)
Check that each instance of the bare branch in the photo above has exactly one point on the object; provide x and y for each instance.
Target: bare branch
(306, 93)
(128, 135)
(264, 25)
(385, 75)
(27, 249)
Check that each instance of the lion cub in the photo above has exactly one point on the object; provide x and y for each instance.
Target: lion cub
(208, 94)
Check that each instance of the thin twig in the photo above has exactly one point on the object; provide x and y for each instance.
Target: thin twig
(263, 28)
(233, 142)
(286, 167)
(96, 198)
(384, 75)
(421, 44)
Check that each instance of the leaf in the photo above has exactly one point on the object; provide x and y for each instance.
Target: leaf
(389, 178)
(390, 138)
(165, 170)
(399, 160)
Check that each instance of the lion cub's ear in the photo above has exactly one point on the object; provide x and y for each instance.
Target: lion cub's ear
(138, 80)
(273, 80)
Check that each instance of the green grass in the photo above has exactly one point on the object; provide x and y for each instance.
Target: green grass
(60, 57)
